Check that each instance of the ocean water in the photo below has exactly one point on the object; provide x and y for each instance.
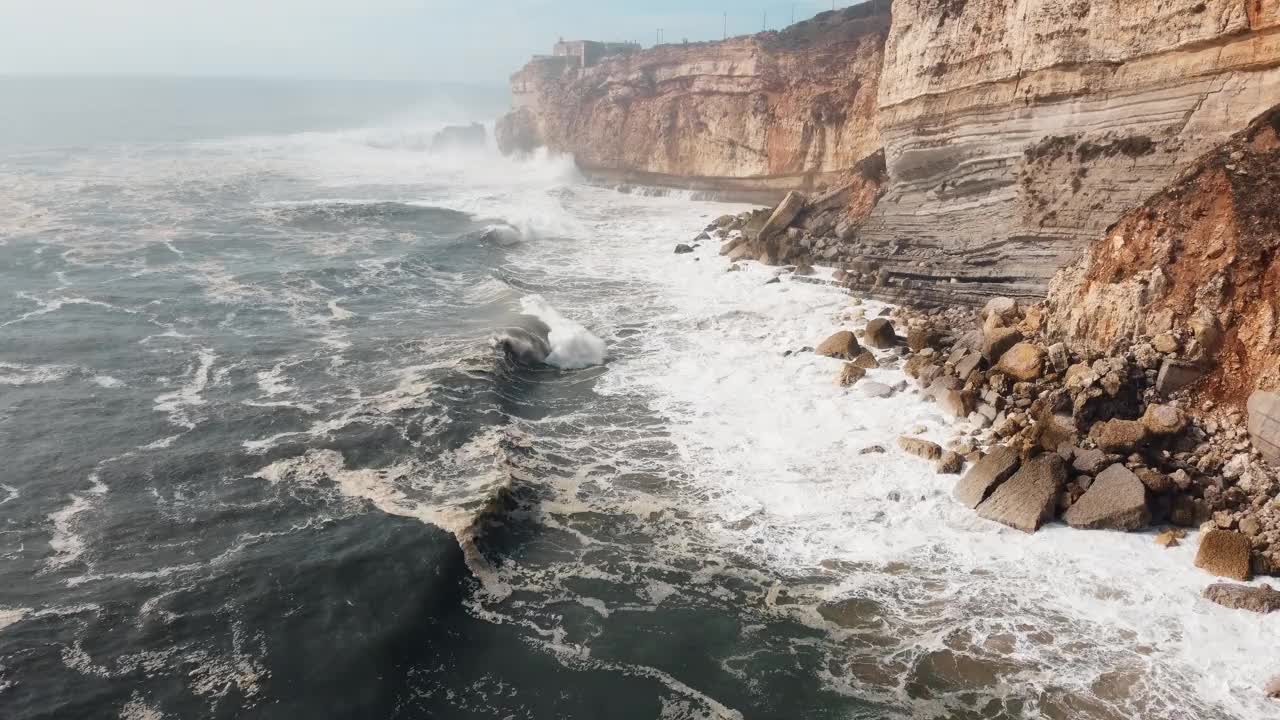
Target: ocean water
(299, 418)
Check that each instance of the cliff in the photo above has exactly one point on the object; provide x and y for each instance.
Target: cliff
(1016, 131)
(1198, 263)
(1013, 132)
(749, 117)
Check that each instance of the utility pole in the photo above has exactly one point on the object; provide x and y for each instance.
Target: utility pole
(764, 24)
(726, 25)
(793, 12)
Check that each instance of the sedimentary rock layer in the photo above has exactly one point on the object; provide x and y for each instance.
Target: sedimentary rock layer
(1016, 131)
(753, 116)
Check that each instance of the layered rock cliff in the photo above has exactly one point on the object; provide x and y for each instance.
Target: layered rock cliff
(1013, 132)
(1016, 131)
(750, 117)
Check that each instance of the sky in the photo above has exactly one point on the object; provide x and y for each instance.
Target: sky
(478, 42)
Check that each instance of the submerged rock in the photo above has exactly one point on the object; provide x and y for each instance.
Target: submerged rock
(952, 463)
(921, 448)
(683, 249)
(1264, 599)
(850, 374)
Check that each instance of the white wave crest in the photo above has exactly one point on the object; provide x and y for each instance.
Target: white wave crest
(572, 346)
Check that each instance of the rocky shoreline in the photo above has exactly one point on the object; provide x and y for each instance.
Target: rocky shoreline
(1046, 430)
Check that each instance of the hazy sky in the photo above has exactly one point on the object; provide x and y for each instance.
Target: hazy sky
(475, 41)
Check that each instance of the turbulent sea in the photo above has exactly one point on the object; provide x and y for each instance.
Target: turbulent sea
(300, 418)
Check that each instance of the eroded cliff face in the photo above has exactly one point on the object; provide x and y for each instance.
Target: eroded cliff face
(1199, 262)
(751, 117)
(1016, 131)
(1013, 132)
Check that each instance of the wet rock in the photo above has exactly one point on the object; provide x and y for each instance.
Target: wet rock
(1175, 376)
(866, 361)
(1164, 420)
(1119, 436)
(1264, 424)
(1027, 500)
(955, 403)
(873, 450)
(782, 216)
(1116, 500)
(1170, 538)
(921, 448)
(850, 374)
(1225, 554)
(952, 463)
(683, 249)
(773, 281)
(803, 270)
(843, 345)
(1273, 688)
(876, 390)
(1024, 361)
(1263, 599)
(880, 334)
(997, 341)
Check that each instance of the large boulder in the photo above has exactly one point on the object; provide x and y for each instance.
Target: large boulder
(1024, 361)
(866, 361)
(1225, 554)
(986, 475)
(850, 374)
(880, 334)
(778, 222)
(921, 448)
(1119, 436)
(1264, 424)
(999, 310)
(1117, 500)
(843, 345)
(996, 341)
(1264, 599)
(1164, 420)
(1027, 500)
(1175, 376)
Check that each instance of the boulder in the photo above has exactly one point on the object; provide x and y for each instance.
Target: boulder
(955, 403)
(1263, 599)
(843, 345)
(803, 270)
(1059, 357)
(1273, 688)
(1024, 361)
(1117, 500)
(683, 249)
(880, 334)
(1089, 462)
(1175, 376)
(866, 361)
(967, 365)
(779, 221)
(951, 463)
(876, 390)
(919, 338)
(1225, 554)
(1164, 420)
(1166, 343)
(1001, 309)
(850, 374)
(1055, 429)
(1027, 500)
(997, 341)
(1119, 436)
(921, 448)
(1264, 424)
(987, 474)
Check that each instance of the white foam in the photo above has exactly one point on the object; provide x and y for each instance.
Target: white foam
(19, 375)
(9, 616)
(572, 346)
(66, 544)
(107, 381)
(177, 403)
(771, 441)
